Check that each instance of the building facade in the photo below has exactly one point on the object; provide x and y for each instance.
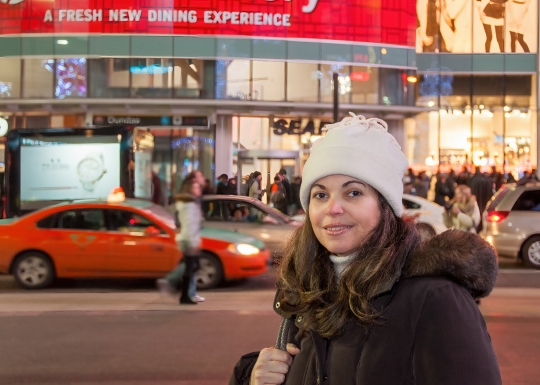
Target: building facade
(246, 85)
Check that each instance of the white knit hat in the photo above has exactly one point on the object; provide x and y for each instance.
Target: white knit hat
(363, 149)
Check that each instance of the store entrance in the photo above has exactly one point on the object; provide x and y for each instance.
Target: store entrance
(268, 163)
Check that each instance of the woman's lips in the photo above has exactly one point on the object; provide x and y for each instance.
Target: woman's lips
(336, 229)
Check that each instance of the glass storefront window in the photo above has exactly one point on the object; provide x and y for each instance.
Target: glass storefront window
(233, 79)
(302, 82)
(109, 78)
(70, 78)
(188, 78)
(327, 86)
(268, 80)
(10, 78)
(38, 75)
(365, 84)
(151, 78)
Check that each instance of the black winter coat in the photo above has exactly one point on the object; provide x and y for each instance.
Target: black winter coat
(434, 333)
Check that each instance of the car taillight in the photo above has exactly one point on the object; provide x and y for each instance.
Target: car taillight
(497, 216)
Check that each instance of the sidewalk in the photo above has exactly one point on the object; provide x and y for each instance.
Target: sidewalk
(512, 302)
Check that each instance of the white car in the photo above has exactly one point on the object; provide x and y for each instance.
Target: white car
(426, 211)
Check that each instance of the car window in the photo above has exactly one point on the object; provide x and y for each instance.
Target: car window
(47, 222)
(410, 205)
(497, 199)
(238, 211)
(83, 219)
(215, 211)
(130, 222)
(528, 201)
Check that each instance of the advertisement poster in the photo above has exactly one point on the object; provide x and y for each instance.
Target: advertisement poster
(477, 26)
(382, 21)
(52, 171)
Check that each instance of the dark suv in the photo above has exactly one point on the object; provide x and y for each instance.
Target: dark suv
(512, 222)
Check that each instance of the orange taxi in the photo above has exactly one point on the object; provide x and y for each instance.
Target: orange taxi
(131, 238)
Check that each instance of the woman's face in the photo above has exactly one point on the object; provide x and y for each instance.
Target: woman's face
(343, 211)
(196, 189)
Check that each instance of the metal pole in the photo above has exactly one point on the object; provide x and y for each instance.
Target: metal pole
(335, 80)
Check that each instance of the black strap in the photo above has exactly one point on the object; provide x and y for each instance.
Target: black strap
(283, 333)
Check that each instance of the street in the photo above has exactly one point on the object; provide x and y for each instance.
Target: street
(123, 332)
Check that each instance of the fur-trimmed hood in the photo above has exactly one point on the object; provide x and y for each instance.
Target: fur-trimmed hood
(457, 255)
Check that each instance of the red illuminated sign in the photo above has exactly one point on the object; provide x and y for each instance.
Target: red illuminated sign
(359, 76)
(378, 21)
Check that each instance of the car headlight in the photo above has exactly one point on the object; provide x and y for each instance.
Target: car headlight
(243, 248)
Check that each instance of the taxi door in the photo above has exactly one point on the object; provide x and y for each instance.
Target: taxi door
(78, 242)
(133, 250)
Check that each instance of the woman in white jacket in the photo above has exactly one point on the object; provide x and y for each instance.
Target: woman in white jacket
(462, 211)
(189, 214)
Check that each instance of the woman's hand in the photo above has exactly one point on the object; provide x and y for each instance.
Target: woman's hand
(272, 366)
(455, 210)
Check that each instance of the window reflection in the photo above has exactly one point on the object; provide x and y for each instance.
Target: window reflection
(109, 78)
(151, 78)
(10, 78)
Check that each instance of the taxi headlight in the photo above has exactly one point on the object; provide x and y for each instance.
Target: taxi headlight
(243, 249)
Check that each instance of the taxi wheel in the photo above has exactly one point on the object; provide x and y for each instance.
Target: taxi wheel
(530, 252)
(210, 273)
(33, 270)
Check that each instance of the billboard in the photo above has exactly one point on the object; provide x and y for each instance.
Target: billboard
(376, 21)
(63, 168)
(477, 26)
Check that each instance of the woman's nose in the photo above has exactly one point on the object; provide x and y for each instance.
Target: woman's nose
(334, 207)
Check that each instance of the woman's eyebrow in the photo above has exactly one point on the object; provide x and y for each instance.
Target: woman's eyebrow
(353, 181)
(319, 186)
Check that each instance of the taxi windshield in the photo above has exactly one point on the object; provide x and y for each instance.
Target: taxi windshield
(163, 214)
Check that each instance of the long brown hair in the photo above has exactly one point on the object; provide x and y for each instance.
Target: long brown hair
(185, 194)
(309, 283)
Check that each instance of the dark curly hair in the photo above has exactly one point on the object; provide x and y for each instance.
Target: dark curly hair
(309, 284)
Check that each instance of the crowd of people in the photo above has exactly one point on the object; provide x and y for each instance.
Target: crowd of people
(464, 195)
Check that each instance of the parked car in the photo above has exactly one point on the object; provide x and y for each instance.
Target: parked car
(511, 222)
(132, 238)
(249, 216)
(426, 212)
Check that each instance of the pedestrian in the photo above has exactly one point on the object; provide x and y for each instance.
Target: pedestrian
(222, 186)
(277, 195)
(462, 212)
(255, 190)
(363, 301)
(441, 190)
(288, 191)
(482, 188)
(207, 189)
(189, 218)
(451, 184)
(157, 192)
(295, 189)
(464, 176)
(231, 186)
(421, 185)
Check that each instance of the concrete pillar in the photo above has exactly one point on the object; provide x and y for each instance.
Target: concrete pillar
(397, 129)
(223, 149)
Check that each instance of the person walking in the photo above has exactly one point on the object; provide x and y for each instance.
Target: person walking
(482, 188)
(441, 190)
(365, 299)
(451, 184)
(295, 188)
(288, 191)
(421, 185)
(222, 186)
(255, 190)
(462, 212)
(277, 195)
(189, 216)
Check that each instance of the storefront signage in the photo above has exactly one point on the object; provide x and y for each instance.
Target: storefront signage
(388, 22)
(294, 127)
(359, 76)
(197, 122)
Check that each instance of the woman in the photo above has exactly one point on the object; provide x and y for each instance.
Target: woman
(189, 241)
(492, 14)
(441, 190)
(368, 301)
(462, 212)
(517, 11)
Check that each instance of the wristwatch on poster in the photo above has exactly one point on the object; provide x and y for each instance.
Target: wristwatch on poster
(90, 170)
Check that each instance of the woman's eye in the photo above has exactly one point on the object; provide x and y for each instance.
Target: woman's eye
(319, 195)
(355, 193)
